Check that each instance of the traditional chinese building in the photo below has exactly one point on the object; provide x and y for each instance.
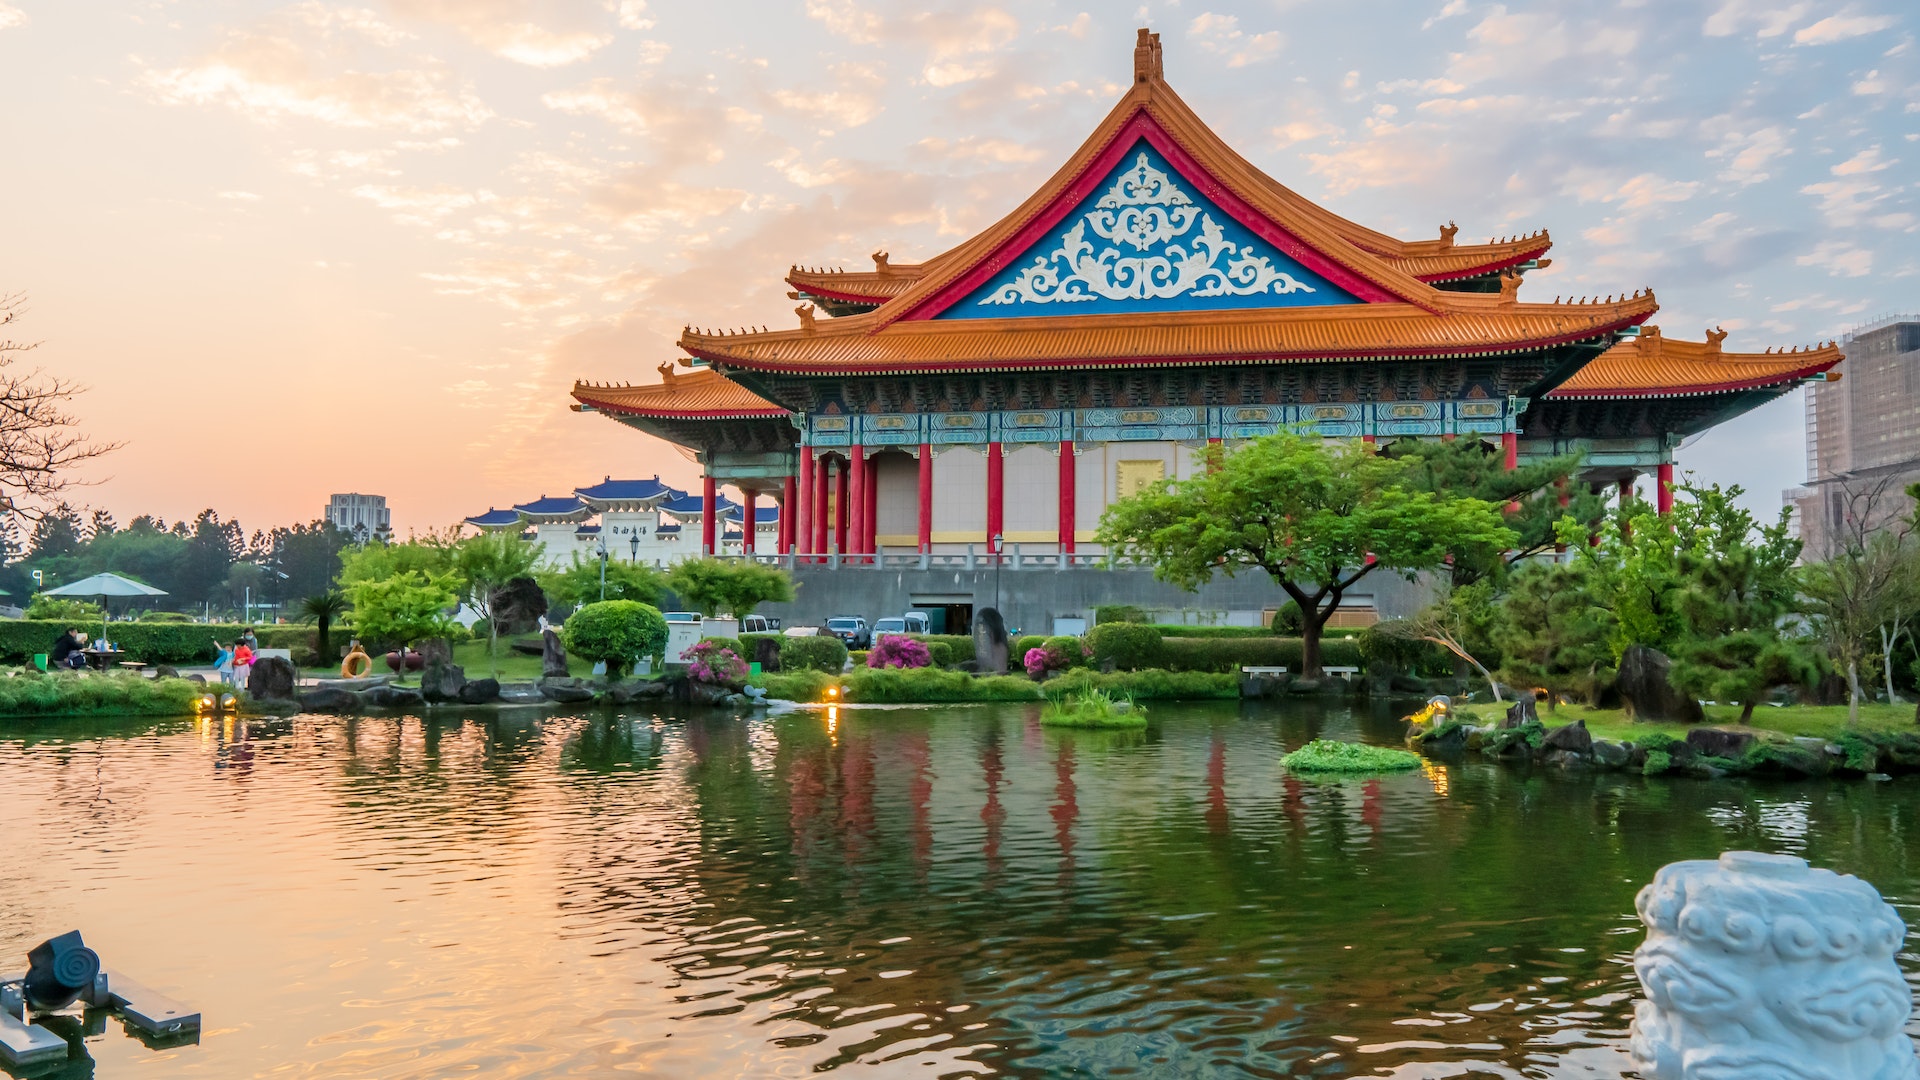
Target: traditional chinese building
(638, 521)
(1156, 295)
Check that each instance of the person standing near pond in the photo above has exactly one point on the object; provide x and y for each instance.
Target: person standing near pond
(253, 643)
(242, 661)
(68, 650)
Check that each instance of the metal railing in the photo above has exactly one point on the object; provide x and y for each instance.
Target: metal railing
(973, 558)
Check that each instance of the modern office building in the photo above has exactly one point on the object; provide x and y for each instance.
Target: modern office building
(1863, 436)
(365, 517)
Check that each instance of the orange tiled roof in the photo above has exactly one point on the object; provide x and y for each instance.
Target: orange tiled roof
(1475, 324)
(1653, 365)
(694, 395)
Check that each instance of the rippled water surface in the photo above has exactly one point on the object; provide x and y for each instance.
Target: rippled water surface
(907, 892)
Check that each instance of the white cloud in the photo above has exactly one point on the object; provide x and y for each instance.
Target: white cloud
(1839, 258)
(1768, 20)
(1221, 35)
(537, 33)
(631, 13)
(268, 78)
(1841, 27)
(1748, 154)
(11, 16)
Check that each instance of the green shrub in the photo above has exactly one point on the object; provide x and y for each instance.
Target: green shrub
(1861, 754)
(153, 642)
(1657, 740)
(69, 694)
(913, 685)
(796, 685)
(1176, 630)
(164, 617)
(1329, 756)
(1018, 647)
(1118, 613)
(1065, 652)
(1288, 620)
(959, 646)
(1125, 646)
(751, 643)
(941, 652)
(481, 628)
(1231, 654)
(1658, 761)
(617, 632)
(821, 653)
(727, 643)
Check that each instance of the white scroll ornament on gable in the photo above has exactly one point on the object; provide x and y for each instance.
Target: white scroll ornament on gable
(1146, 214)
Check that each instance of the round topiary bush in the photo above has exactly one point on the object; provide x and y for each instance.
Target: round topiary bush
(616, 632)
(1125, 646)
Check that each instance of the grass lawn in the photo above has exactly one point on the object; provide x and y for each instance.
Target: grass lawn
(472, 656)
(1823, 721)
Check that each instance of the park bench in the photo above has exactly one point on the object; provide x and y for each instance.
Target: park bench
(1341, 672)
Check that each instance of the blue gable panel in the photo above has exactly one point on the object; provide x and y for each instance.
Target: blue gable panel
(1145, 239)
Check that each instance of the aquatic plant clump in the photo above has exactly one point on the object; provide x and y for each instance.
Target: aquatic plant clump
(1330, 756)
(34, 694)
(1092, 708)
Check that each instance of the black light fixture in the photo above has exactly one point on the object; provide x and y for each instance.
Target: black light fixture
(633, 545)
(59, 970)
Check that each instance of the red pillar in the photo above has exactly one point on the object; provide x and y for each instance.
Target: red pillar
(1212, 464)
(857, 499)
(1664, 498)
(1067, 478)
(1510, 442)
(996, 493)
(870, 541)
(1626, 490)
(789, 514)
(926, 497)
(749, 513)
(822, 512)
(709, 506)
(840, 511)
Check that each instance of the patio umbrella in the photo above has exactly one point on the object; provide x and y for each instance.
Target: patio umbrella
(104, 585)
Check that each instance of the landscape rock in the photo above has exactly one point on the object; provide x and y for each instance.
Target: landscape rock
(553, 656)
(392, 697)
(566, 691)
(434, 650)
(1647, 692)
(766, 653)
(1449, 737)
(989, 641)
(1564, 759)
(521, 694)
(1304, 686)
(1717, 742)
(165, 671)
(272, 679)
(1260, 686)
(1573, 738)
(1521, 712)
(330, 700)
(707, 693)
(1609, 754)
(479, 692)
(442, 680)
(1407, 684)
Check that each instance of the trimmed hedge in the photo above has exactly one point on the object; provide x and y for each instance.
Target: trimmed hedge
(1017, 648)
(821, 653)
(959, 646)
(916, 685)
(1231, 654)
(1152, 685)
(1174, 630)
(154, 643)
(1126, 646)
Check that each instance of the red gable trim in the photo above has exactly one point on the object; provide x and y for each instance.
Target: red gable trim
(1143, 126)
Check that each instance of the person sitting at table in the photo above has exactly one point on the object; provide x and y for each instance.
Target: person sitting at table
(69, 650)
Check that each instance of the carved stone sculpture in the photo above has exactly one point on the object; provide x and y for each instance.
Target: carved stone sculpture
(553, 655)
(1758, 966)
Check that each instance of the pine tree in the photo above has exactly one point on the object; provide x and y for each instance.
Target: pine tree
(1554, 633)
(1530, 495)
(57, 533)
(99, 525)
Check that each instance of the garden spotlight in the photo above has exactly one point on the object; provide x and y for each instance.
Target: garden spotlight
(59, 970)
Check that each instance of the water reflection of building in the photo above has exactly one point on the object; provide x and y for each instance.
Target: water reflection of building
(1159, 295)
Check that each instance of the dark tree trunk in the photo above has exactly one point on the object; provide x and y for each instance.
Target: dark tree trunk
(1746, 713)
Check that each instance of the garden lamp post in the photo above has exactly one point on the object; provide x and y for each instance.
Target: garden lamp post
(998, 541)
(633, 547)
(600, 549)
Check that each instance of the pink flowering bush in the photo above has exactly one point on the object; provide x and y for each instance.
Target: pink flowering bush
(898, 652)
(1056, 654)
(713, 663)
(1036, 663)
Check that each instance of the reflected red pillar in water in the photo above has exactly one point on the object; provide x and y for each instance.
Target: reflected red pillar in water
(1217, 787)
(919, 754)
(1292, 803)
(806, 791)
(1066, 805)
(856, 795)
(1370, 806)
(993, 815)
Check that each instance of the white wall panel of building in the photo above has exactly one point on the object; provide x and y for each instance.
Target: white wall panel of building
(898, 474)
(960, 497)
(1091, 481)
(1031, 495)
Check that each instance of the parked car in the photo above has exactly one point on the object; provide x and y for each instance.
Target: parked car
(852, 630)
(917, 622)
(883, 627)
(759, 624)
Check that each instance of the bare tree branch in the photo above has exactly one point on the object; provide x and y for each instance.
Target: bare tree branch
(40, 444)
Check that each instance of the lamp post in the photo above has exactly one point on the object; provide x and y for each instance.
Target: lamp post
(998, 541)
(600, 549)
(633, 548)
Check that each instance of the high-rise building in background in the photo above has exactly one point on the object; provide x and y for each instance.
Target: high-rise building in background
(364, 517)
(1863, 436)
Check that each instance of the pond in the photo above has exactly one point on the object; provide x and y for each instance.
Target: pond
(890, 892)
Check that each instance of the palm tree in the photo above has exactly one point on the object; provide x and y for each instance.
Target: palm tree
(323, 608)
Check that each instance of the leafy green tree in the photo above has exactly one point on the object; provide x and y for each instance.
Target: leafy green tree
(1529, 497)
(717, 586)
(1554, 633)
(405, 607)
(376, 561)
(616, 632)
(62, 608)
(486, 563)
(1317, 518)
(305, 559)
(1738, 592)
(579, 584)
(323, 608)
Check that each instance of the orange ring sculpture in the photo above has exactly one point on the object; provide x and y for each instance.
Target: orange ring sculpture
(357, 663)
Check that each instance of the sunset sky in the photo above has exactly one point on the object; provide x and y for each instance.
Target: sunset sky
(300, 248)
